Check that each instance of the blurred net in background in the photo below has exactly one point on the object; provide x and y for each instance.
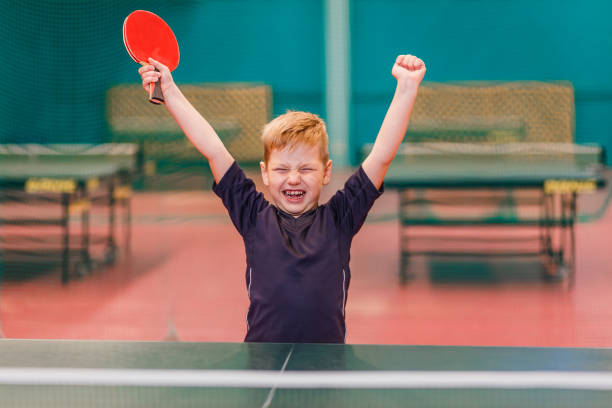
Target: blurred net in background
(493, 112)
(63, 55)
(237, 111)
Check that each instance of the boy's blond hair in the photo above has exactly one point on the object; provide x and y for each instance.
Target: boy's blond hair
(295, 127)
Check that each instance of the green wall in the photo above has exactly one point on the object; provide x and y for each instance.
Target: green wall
(59, 56)
(486, 40)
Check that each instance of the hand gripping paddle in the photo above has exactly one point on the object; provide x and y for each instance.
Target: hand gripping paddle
(145, 36)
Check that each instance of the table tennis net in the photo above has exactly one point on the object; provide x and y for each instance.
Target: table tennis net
(592, 155)
(243, 388)
(586, 156)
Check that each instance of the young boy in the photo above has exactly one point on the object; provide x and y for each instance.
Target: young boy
(297, 251)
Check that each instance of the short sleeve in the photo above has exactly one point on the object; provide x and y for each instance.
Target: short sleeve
(240, 197)
(352, 203)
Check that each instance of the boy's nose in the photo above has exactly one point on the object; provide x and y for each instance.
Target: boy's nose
(294, 178)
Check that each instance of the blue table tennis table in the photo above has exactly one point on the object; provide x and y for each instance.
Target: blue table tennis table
(463, 185)
(70, 178)
(61, 373)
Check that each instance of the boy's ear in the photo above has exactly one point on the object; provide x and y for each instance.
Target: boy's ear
(327, 173)
(264, 173)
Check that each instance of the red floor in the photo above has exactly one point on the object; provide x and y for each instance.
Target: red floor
(184, 279)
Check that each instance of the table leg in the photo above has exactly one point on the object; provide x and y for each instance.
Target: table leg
(84, 267)
(404, 260)
(571, 226)
(111, 246)
(65, 223)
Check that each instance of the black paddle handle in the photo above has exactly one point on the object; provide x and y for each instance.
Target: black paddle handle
(155, 93)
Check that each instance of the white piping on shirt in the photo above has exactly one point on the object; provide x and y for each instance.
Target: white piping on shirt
(249, 293)
(344, 299)
(343, 291)
(250, 281)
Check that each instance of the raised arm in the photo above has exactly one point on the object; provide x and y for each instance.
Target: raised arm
(196, 128)
(409, 71)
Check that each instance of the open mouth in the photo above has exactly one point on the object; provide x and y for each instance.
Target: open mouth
(294, 195)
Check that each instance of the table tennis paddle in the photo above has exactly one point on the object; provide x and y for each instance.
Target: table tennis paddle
(146, 35)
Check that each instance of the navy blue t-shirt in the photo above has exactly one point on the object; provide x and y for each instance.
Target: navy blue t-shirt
(297, 273)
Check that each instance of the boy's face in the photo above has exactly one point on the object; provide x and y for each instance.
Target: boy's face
(295, 176)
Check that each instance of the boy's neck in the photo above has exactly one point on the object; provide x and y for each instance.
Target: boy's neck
(295, 215)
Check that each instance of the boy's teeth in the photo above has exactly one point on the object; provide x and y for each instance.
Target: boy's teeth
(294, 193)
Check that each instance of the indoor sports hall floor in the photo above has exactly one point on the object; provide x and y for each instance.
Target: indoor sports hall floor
(184, 280)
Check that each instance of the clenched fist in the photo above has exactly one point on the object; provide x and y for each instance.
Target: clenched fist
(408, 68)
